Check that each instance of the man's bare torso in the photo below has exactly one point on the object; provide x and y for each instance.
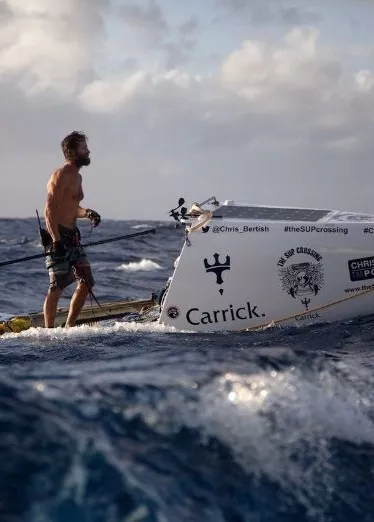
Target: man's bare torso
(64, 193)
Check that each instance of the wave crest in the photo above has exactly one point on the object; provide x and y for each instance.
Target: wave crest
(145, 265)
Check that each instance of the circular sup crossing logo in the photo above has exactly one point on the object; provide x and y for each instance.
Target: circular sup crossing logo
(301, 274)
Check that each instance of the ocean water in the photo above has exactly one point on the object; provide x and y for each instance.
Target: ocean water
(134, 422)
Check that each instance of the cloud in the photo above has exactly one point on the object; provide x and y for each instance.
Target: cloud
(300, 95)
(181, 50)
(264, 11)
(293, 15)
(150, 29)
(5, 12)
(177, 54)
(190, 26)
(105, 96)
(364, 80)
(149, 21)
(278, 75)
(49, 46)
(285, 122)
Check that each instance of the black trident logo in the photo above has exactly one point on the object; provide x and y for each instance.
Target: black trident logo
(218, 268)
(305, 302)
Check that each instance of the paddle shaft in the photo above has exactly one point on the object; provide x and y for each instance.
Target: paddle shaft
(94, 243)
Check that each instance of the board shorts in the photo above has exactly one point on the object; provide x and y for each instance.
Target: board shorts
(73, 266)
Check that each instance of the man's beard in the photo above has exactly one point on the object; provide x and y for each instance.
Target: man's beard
(82, 161)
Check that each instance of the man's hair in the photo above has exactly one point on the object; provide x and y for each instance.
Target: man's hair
(70, 143)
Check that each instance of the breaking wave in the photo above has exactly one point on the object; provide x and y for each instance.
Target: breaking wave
(145, 265)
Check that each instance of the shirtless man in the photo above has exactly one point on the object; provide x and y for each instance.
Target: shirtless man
(67, 260)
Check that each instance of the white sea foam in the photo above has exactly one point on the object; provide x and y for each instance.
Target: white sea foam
(269, 417)
(144, 225)
(87, 331)
(145, 265)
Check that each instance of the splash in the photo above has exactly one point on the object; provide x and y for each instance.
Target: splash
(145, 265)
(90, 331)
(140, 226)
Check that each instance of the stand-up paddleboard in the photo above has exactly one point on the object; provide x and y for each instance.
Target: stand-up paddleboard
(89, 314)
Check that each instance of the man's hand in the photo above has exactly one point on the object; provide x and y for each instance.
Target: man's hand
(93, 216)
(58, 249)
(45, 237)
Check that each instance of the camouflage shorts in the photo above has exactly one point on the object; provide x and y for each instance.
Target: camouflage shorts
(73, 266)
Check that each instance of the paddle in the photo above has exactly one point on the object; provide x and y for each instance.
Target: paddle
(101, 242)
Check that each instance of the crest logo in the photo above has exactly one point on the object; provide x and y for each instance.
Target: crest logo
(302, 280)
(218, 268)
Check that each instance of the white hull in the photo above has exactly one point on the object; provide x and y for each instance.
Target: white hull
(242, 272)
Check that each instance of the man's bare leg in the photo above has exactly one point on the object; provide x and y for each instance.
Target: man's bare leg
(76, 304)
(50, 307)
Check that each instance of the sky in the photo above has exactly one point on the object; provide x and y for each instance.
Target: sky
(259, 101)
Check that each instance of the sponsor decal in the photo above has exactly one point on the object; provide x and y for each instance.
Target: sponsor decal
(316, 228)
(305, 317)
(173, 312)
(242, 229)
(205, 229)
(195, 316)
(361, 269)
(218, 268)
(304, 279)
(361, 288)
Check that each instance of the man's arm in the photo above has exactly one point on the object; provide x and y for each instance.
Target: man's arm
(92, 215)
(81, 212)
(56, 190)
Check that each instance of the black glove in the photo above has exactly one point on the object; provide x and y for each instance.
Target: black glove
(58, 249)
(45, 237)
(93, 216)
